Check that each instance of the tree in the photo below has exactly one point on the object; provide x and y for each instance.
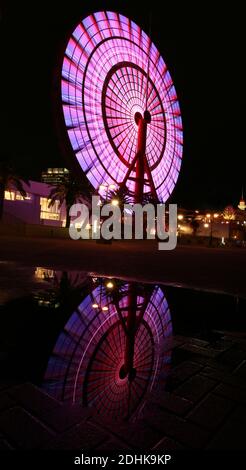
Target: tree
(70, 191)
(121, 195)
(149, 198)
(229, 213)
(195, 225)
(9, 178)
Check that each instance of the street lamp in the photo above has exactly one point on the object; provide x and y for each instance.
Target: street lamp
(110, 285)
(115, 202)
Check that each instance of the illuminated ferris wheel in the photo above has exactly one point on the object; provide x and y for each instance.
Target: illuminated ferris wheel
(120, 108)
(112, 350)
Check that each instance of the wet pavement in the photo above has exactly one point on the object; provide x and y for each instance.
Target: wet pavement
(212, 269)
(73, 376)
(203, 406)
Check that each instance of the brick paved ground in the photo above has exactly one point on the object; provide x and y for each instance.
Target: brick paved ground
(203, 406)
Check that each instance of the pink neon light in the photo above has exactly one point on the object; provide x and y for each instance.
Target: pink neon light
(70, 371)
(99, 43)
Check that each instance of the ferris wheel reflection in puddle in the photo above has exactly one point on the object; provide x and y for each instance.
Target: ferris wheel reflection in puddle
(114, 350)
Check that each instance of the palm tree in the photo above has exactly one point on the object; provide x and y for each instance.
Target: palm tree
(229, 213)
(70, 191)
(9, 178)
(149, 198)
(121, 195)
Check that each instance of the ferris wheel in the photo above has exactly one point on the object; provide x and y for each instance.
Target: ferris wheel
(96, 362)
(120, 108)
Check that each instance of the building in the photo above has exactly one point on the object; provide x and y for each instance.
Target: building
(242, 205)
(34, 208)
(54, 175)
(229, 224)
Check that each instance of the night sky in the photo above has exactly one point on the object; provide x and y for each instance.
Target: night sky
(204, 50)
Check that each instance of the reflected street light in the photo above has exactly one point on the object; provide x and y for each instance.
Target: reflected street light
(110, 285)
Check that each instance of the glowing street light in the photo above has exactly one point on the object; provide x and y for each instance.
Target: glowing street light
(105, 309)
(180, 217)
(95, 305)
(206, 225)
(115, 202)
(110, 285)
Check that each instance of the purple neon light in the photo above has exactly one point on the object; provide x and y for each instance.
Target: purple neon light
(90, 350)
(102, 129)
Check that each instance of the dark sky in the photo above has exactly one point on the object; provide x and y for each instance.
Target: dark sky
(204, 49)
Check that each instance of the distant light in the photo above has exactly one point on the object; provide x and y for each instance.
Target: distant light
(216, 215)
(95, 305)
(105, 309)
(110, 285)
(180, 217)
(112, 186)
(242, 205)
(115, 202)
(185, 229)
(206, 225)
(208, 215)
(43, 273)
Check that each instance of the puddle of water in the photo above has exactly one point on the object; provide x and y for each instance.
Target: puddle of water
(101, 341)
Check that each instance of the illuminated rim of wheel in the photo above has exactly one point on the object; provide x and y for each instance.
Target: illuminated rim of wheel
(86, 360)
(112, 70)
